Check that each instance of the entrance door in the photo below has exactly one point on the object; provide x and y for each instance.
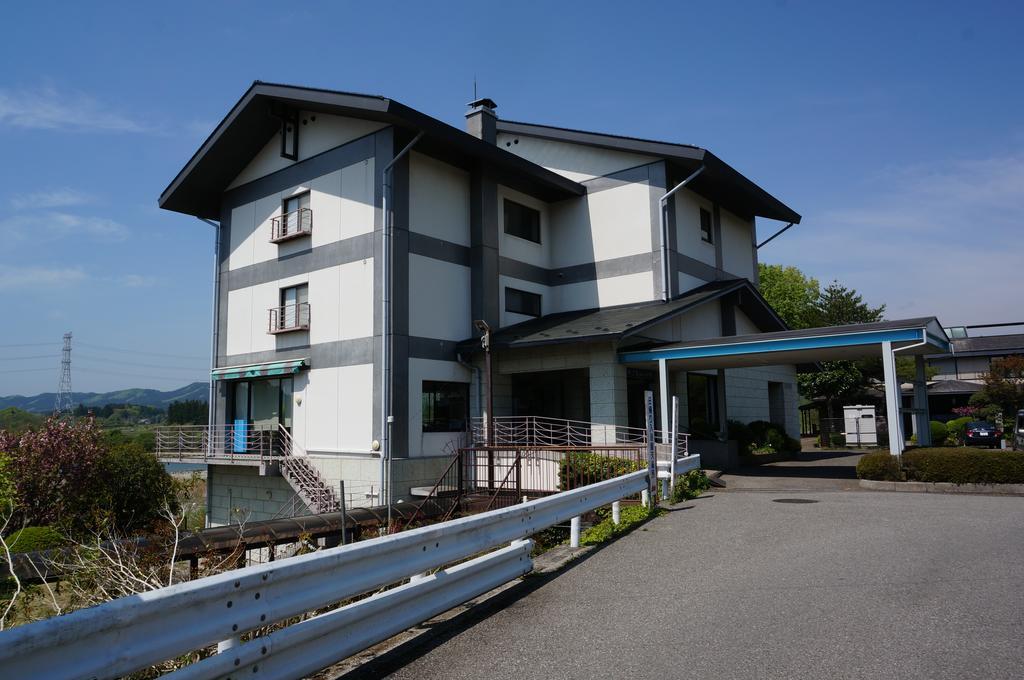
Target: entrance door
(258, 406)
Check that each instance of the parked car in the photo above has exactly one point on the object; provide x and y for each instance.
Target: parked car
(983, 433)
(1018, 432)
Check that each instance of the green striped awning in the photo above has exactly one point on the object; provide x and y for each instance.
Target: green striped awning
(264, 370)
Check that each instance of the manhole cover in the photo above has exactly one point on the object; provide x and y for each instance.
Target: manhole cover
(793, 500)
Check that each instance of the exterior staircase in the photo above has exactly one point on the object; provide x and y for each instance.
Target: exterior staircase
(304, 478)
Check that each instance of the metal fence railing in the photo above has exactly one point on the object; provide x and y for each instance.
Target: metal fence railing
(544, 431)
(259, 616)
(288, 318)
(291, 225)
(188, 443)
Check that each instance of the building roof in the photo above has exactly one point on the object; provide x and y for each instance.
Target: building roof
(804, 346)
(622, 321)
(989, 344)
(949, 387)
(248, 126)
(718, 182)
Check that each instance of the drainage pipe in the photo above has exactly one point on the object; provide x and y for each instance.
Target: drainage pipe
(662, 205)
(212, 406)
(385, 337)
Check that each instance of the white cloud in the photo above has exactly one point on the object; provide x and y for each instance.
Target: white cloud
(45, 108)
(54, 198)
(12, 278)
(60, 225)
(939, 240)
(137, 280)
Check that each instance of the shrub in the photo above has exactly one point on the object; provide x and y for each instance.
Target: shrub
(938, 433)
(964, 466)
(580, 468)
(837, 440)
(32, 539)
(880, 467)
(956, 430)
(761, 435)
(630, 516)
(690, 485)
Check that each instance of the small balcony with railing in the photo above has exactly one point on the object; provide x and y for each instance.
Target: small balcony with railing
(291, 225)
(288, 318)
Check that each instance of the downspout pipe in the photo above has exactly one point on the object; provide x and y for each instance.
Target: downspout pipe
(212, 406)
(662, 227)
(385, 336)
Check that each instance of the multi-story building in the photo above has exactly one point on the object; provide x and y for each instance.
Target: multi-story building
(361, 244)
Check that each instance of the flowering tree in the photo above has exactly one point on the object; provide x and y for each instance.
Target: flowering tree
(54, 471)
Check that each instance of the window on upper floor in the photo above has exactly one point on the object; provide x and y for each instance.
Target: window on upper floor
(292, 314)
(522, 221)
(445, 406)
(706, 232)
(522, 302)
(296, 219)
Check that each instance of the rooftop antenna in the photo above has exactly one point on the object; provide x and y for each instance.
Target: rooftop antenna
(474, 87)
(64, 405)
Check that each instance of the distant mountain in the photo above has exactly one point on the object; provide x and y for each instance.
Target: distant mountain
(43, 403)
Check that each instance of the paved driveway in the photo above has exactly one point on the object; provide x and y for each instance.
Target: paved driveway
(811, 471)
(735, 585)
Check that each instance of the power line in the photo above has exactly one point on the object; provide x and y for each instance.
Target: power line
(36, 356)
(27, 370)
(33, 344)
(134, 363)
(142, 375)
(135, 351)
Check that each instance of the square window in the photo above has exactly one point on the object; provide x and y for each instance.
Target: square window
(522, 302)
(522, 221)
(445, 406)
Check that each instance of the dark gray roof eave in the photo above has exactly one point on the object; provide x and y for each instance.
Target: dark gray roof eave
(346, 103)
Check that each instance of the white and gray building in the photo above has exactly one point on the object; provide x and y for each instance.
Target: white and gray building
(359, 241)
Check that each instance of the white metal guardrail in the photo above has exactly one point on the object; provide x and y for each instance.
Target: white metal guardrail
(132, 633)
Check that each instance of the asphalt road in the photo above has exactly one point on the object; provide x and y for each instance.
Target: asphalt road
(810, 471)
(735, 585)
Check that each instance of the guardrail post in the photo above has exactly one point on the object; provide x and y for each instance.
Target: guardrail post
(344, 513)
(574, 532)
(616, 514)
(645, 498)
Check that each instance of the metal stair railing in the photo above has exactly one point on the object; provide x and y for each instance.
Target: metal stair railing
(303, 477)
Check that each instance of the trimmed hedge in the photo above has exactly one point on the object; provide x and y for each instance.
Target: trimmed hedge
(880, 467)
(964, 466)
(579, 468)
(32, 539)
(952, 465)
(939, 432)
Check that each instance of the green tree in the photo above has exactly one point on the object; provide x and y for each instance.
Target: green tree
(791, 294)
(833, 381)
(838, 305)
(1004, 387)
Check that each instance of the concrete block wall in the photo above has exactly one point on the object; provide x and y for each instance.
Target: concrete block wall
(746, 393)
(239, 494)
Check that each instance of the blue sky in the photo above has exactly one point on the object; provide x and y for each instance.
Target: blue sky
(895, 129)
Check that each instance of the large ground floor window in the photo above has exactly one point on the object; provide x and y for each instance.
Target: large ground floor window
(262, 404)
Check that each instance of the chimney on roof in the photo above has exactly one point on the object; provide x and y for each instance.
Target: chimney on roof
(481, 121)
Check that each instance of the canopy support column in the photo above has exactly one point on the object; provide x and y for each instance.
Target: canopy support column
(893, 399)
(663, 388)
(921, 414)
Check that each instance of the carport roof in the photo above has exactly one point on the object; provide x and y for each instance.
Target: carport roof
(914, 336)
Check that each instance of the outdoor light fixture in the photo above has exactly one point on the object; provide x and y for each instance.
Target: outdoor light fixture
(485, 343)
